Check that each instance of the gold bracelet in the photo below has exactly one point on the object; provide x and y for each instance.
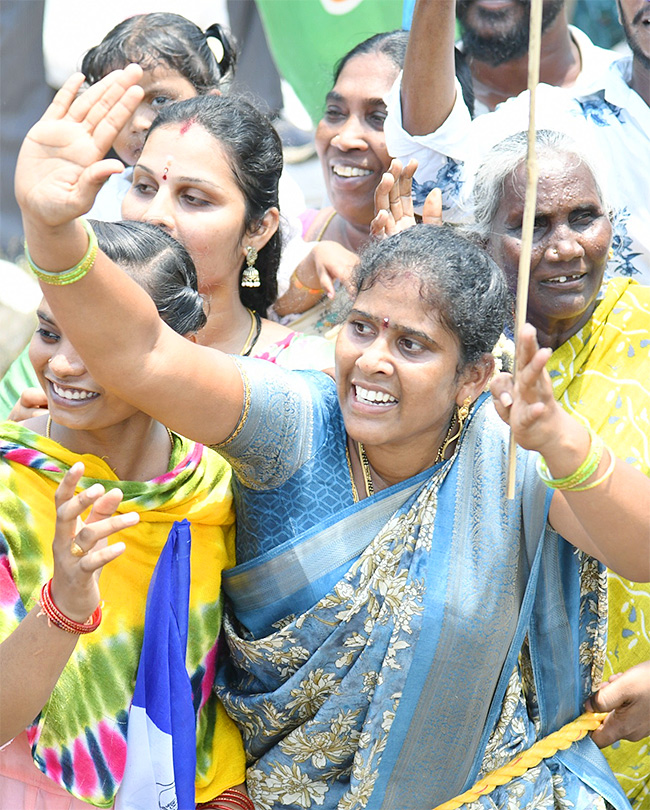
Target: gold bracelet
(74, 273)
(300, 286)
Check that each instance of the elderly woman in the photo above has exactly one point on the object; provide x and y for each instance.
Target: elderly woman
(599, 369)
(67, 740)
(387, 592)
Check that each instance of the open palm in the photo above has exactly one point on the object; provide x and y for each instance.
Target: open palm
(60, 166)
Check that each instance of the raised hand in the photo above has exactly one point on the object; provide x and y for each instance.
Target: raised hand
(526, 401)
(80, 548)
(60, 167)
(394, 204)
(32, 402)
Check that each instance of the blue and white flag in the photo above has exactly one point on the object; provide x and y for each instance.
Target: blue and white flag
(161, 737)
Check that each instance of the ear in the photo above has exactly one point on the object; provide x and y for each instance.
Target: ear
(266, 227)
(475, 379)
(214, 92)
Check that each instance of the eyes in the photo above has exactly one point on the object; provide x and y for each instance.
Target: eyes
(362, 331)
(578, 220)
(338, 115)
(47, 335)
(147, 189)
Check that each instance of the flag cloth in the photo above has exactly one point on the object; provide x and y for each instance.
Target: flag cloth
(308, 37)
(161, 737)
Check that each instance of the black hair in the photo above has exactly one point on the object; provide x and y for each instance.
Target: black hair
(392, 44)
(160, 265)
(459, 281)
(254, 150)
(166, 39)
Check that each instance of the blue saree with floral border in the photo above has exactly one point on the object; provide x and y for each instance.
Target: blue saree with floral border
(386, 654)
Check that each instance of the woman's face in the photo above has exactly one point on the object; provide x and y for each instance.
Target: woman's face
(161, 86)
(570, 244)
(183, 183)
(74, 398)
(350, 137)
(397, 371)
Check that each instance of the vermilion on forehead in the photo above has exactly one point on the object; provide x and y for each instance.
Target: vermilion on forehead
(185, 126)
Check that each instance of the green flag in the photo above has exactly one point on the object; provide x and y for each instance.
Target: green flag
(308, 37)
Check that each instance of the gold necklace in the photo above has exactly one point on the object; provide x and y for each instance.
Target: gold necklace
(253, 333)
(365, 467)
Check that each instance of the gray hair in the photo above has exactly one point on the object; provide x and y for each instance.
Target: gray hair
(504, 158)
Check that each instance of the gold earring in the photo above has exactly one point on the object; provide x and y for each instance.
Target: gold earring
(250, 276)
(610, 255)
(455, 427)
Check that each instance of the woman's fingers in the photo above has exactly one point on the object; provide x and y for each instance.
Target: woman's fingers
(94, 103)
(92, 536)
(432, 208)
(64, 98)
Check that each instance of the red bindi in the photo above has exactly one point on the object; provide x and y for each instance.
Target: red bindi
(385, 323)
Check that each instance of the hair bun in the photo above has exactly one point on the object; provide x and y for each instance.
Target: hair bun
(223, 49)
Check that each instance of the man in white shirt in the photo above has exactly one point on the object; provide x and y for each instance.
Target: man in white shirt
(612, 121)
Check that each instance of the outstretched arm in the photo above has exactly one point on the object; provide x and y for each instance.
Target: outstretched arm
(33, 656)
(609, 521)
(428, 81)
(109, 318)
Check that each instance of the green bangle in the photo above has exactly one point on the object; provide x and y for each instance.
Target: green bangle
(74, 273)
(584, 471)
(603, 477)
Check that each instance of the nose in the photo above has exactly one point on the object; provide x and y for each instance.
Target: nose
(159, 210)
(565, 245)
(376, 358)
(142, 118)
(350, 135)
(65, 362)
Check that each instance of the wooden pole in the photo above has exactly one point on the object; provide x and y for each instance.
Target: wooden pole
(530, 203)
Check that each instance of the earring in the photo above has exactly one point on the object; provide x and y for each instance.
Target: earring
(250, 276)
(455, 427)
(610, 255)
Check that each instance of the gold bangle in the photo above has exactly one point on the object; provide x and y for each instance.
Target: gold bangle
(74, 273)
(300, 286)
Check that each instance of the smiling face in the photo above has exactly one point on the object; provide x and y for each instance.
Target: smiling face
(570, 245)
(350, 137)
(397, 372)
(161, 86)
(74, 399)
(183, 183)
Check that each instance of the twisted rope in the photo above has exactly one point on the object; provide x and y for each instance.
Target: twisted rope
(547, 747)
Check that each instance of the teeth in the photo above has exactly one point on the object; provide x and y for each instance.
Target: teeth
(380, 397)
(563, 279)
(350, 171)
(73, 393)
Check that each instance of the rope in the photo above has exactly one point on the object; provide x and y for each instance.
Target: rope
(547, 747)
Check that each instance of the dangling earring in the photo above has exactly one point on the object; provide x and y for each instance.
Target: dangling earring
(250, 276)
(455, 427)
(610, 255)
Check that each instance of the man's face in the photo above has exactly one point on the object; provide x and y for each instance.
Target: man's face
(635, 19)
(496, 31)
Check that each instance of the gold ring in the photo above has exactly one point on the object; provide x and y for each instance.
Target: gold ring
(76, 550)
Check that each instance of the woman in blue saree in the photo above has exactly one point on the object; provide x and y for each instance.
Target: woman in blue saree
(398, 627)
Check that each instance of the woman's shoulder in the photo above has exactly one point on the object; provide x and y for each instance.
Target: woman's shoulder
(314, 228)
(296, 351)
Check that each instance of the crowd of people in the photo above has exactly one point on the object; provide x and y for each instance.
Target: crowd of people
(254, 478)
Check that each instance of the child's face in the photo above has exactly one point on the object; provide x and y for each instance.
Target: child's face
(161, 86)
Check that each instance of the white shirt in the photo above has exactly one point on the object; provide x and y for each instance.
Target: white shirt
(612, 124)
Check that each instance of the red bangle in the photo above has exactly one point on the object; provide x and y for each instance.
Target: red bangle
(60, 620)
(234, 797)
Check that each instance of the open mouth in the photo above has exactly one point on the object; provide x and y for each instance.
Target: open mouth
(568, 279)
(350, 171)
(368, 397)
(73, 394)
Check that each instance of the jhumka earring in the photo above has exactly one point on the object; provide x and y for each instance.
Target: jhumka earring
(250, 276)
(455, 427)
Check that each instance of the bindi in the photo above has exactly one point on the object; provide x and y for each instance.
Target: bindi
(168, 163)
(385, 323)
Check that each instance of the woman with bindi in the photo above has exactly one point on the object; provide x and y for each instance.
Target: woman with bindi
(354, 672)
